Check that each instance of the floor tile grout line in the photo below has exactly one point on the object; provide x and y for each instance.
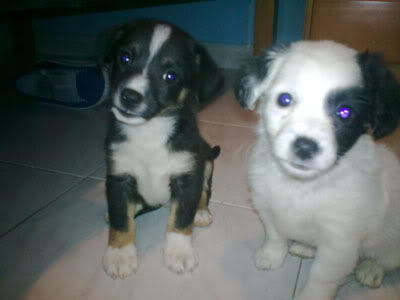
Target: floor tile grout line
(226, 124)
(42, 208)
(297, 278)
(97, 178)
(44, 169)
(234, 205)
(78, 183)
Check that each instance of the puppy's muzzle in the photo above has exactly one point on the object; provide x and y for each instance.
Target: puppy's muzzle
(130, 99)
(305, 148)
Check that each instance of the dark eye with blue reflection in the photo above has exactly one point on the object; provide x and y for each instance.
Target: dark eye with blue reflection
(285, 99)
(343, 112)
(170, 77)
(126, 58)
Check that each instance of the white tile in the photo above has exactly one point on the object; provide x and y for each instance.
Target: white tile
(25, 190)
(227, 110)
(352, 290)
(230, 183)
(57, 255)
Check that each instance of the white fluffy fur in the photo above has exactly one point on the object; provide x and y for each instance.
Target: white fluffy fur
(120, 262)
(202, 218)
(345, 209)
(179, 255)
(146, 156)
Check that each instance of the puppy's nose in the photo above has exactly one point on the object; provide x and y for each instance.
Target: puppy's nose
(305, 148)
(130, 98)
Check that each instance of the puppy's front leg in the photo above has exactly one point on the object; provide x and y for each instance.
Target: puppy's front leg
(179, 255)
(120, 257)
(333, 262)
(272, 254)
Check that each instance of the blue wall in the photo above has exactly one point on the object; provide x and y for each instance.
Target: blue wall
(218, 21)
(290, 20)
(212, 21)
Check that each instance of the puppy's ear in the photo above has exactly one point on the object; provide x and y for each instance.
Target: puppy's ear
(383, 94)
(105, 42)
(211, 80)
(253, 77)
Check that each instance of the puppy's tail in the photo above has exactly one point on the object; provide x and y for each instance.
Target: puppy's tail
(215, 151)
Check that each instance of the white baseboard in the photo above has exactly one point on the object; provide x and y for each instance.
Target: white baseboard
(80, 50)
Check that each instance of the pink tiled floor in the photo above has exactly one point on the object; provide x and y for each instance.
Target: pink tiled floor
(53, 234)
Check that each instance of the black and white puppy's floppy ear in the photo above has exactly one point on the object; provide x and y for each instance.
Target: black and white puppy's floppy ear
(103, 50)
(253, 78)
(105, 42)
(210, 78)
(383, 93)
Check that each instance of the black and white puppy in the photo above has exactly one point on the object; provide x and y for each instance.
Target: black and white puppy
(158, 78)
(317, 174)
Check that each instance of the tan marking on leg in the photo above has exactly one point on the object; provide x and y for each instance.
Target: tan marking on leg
(139, 208)
(171, 226)
(179, 255)
(203, 216)
(182, 95)
(203, 204)
(119, 239)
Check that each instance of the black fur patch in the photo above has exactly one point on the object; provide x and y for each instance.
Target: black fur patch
(348, 130)
(383, 93)
(186, 191)
(120, 190)
(252, 72)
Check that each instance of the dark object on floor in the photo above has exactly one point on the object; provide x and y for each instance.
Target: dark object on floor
(72, 87)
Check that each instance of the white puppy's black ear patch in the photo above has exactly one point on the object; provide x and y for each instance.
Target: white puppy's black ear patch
(383, 93)
(253, 74)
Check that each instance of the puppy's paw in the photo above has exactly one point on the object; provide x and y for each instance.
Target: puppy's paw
(179, 255)
(120, 262)
(313, 297)
(316, 294)
(370, 274)
(301, 250)
(270, 256)
(203, 218)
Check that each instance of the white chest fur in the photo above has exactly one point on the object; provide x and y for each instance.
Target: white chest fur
(145, 155)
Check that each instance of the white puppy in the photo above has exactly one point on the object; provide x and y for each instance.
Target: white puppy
(318, 176)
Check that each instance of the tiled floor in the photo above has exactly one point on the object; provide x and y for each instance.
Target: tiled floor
(53, 234)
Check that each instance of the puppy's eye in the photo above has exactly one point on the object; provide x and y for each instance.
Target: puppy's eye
(170, 77)
(343, 112)
(126, 58)
(285, 99)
